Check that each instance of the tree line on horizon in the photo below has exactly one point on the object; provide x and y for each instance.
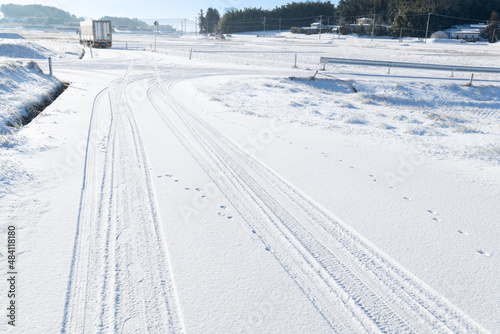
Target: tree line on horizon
(254, 19)
(47, 15)
(126, 23)
(51, 15)
(412, 15)
(407, 16)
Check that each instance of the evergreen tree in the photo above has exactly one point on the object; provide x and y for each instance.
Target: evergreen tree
(212, 19)
(202, 21)
(209, 23)
(493, 28)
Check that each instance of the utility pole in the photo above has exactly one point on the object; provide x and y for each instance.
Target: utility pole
(264, 26)
(185, 26)
(427, 30)
(373, 24)
(320, 24)
(401, 34)
(156, 25)
(280, 27)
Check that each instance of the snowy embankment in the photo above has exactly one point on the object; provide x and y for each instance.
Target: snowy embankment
(24, 91)
(38, 45)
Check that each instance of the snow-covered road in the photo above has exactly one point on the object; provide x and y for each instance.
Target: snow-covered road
(164, 220)
(354, 286)
(121, 278)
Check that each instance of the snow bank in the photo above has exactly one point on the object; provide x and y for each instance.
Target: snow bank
(23, 51)
(24, 90)
(11, 36)
(29, 46)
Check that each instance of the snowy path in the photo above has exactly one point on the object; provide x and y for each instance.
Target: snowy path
(120, 278)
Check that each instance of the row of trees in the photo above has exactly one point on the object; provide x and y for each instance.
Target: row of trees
(408, 16)
(295, 14)
(412, 16)
(385, 10)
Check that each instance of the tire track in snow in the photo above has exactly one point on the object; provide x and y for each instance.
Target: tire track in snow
(353, 285)
(120, 278)
(75, 295)
(325, 299)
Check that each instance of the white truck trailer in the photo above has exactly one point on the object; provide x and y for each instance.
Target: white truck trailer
(96, 33)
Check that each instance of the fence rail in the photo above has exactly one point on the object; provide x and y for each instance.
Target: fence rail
(390, 64)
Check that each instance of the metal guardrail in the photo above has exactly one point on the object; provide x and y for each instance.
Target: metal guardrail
(390, 64)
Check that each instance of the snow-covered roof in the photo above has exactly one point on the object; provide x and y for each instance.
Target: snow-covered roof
(465, 32)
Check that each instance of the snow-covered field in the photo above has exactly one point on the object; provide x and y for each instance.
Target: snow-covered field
(433, 114)
(231, 193)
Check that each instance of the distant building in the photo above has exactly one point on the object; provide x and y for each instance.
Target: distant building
(469, 32)
(364, 21)
(317, 25)
(468, 35)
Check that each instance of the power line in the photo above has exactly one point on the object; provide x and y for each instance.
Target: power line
(459, 18)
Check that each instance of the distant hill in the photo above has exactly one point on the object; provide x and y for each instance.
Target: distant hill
(174, 22)
(37, 14)
(126, 23)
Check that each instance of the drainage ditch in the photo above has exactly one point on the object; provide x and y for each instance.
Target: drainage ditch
(36, 108)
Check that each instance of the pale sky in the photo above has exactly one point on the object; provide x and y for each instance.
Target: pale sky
(148, 9)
